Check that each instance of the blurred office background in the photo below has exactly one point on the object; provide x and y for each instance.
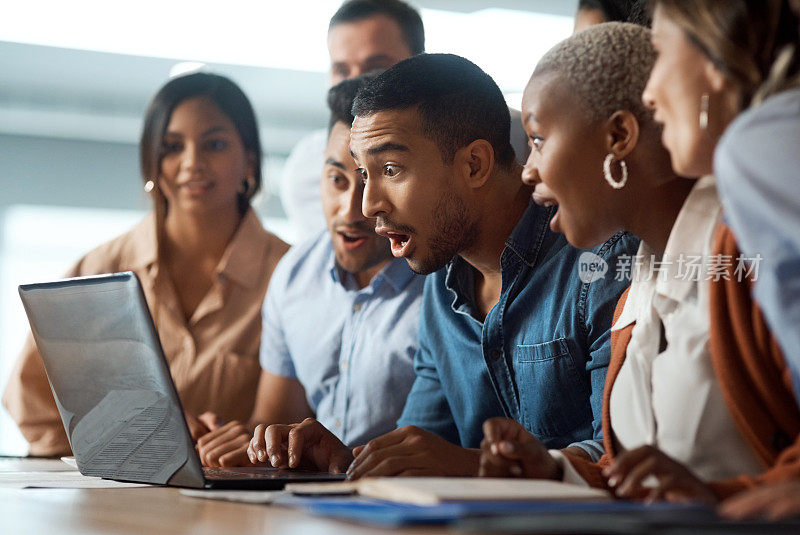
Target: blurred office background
(75, 78)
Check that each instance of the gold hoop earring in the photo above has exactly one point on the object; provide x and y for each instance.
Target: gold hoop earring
(704, 111)
(609, 177)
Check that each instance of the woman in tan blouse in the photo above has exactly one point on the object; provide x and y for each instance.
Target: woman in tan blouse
(202, 256)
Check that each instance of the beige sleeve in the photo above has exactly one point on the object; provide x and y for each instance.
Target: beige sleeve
(30, 402)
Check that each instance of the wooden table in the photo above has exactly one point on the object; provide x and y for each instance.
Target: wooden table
(156, 510)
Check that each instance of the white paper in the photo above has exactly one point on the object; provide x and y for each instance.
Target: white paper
(336, 488)
(246, 496)
(59, 480)
(23, 464)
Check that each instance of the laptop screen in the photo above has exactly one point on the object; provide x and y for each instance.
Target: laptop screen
(110, 379)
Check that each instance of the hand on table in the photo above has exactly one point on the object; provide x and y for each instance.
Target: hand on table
(774, 501)
(200, 425)
(509, 450)
(675, 482)
(411, 451)
(225, 445)
(305, 445)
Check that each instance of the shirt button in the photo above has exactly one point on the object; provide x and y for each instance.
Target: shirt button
(495, 354)
(356, 307)
(345, 365)
(338, 423)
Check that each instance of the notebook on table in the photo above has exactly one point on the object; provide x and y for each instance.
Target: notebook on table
(439, 490)
(114, 391)
(542, 503)
(512, 506)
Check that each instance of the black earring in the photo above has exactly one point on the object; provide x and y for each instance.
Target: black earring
(247, 185)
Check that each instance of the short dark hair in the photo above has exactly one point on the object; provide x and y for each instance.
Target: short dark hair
(231, 101)
(634, 11)
(457, 102)
(402, 13)
(342, 95)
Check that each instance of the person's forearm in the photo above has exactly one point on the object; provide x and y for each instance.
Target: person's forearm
(578, 452)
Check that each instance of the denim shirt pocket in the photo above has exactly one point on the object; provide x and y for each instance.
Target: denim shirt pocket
(549, 386)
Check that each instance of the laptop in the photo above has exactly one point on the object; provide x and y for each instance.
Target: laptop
(114, 391)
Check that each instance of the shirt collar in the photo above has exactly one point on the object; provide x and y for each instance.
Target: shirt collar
(243, 260)
(459, 281)
(145, 243)
(637, 296)
(526, 241)
(530, 233)
(397, 273)
(691, 234)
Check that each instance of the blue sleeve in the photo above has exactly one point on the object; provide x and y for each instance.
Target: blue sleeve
(597, 311)
(275, 356)
(757, 164)
(427, 406)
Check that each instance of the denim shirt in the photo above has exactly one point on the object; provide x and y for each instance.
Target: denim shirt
(541, 354)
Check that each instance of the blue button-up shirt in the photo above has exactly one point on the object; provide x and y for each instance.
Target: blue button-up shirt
(756, 163)
(541, 354)
(351, 349)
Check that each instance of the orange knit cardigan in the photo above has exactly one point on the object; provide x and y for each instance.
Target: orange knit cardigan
(752, 373)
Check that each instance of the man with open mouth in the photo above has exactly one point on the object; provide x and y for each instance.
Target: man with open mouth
(340, 318)
(510, 326)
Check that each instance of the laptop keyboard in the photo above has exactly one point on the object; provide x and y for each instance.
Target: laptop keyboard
(260, 473)
(241, 473)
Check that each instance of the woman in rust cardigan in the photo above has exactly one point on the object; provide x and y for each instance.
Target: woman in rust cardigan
(700, 401)
(745, 115)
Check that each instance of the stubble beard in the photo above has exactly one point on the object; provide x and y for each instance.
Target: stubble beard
(454, 230)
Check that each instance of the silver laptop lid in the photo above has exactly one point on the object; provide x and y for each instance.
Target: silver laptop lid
(110, 380)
